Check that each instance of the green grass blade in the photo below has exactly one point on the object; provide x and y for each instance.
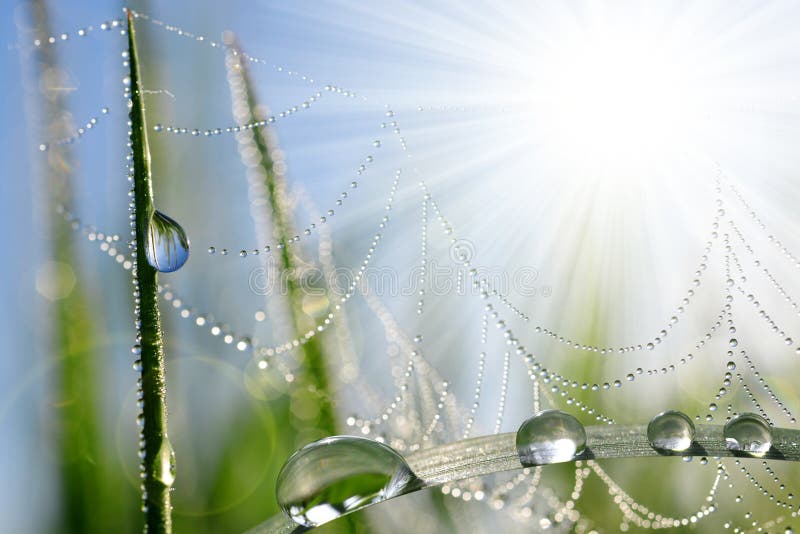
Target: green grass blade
(90, 484)
(314, 375)
(154, 432)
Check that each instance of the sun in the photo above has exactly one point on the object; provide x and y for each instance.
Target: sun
(615, 101)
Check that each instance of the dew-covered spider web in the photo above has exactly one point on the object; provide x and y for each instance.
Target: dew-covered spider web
(436, 327)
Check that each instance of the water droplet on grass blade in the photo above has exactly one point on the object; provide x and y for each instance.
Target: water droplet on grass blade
(551, 436)
(670, 431)
(748, 433)
(166, 246)
(336, 475)
(164, 464)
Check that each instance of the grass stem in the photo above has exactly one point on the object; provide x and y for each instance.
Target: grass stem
(158, 457)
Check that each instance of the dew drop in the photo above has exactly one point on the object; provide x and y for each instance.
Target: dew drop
(340, 474)
(748, 433)
(166, 246)
(670, 431)
(164, 463)
(551, 436)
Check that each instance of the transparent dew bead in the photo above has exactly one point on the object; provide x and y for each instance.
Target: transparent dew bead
(166, 244)
(670, 431)
(164, 464)
(748, 433)
(551, 436)
(338, 475)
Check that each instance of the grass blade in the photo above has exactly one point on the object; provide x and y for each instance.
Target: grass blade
(158, 457)
(314, 367)
(312, 377)
(91, 487)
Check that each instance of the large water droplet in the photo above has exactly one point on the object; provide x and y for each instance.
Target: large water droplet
(166, 244)
(749, 433)
(671, 431)
(164, 463)
(336, 475)
(548, 437)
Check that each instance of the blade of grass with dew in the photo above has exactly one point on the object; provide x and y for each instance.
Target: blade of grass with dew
(495, 453)
(159, 468)
(315, 372)
(312, 378)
